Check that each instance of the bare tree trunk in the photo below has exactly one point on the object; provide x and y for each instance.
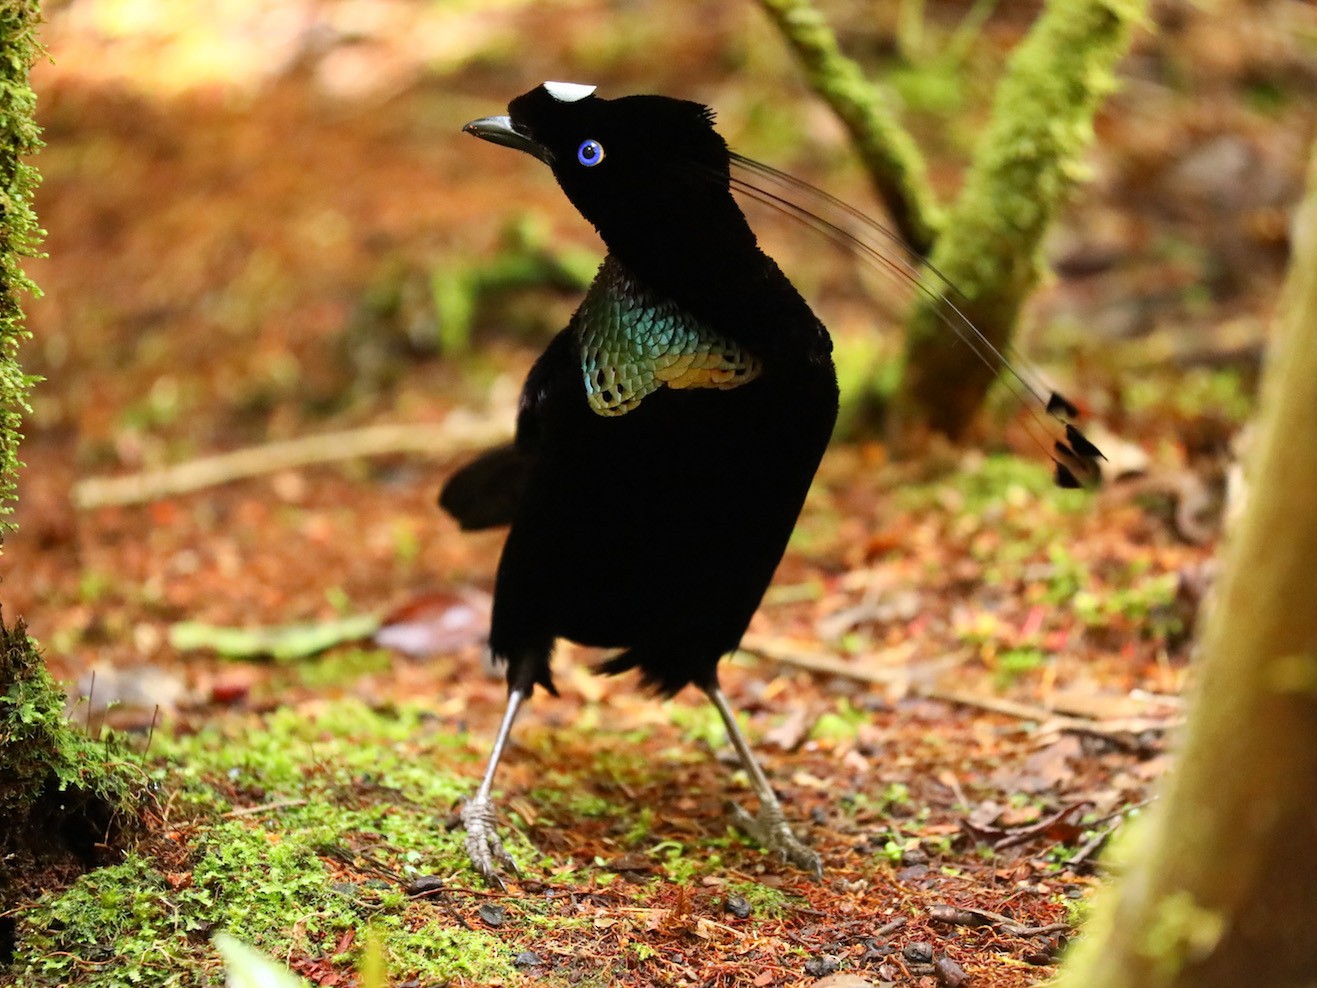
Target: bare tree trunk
(1221, 889)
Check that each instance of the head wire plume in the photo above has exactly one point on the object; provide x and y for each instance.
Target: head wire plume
(1074, 457)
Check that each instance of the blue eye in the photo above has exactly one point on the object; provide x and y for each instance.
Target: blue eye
(590, 153)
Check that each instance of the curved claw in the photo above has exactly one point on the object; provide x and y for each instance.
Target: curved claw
(769, 827)
(482, 843)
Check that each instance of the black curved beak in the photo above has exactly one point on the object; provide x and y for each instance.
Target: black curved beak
(501, 130)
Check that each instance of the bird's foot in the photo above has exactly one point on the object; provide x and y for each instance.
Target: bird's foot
(482, 843)
(769, 827)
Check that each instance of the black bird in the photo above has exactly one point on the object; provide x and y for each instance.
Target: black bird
(665, 439)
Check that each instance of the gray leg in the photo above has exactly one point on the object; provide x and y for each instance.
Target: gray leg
(482, 843)
(769, 825)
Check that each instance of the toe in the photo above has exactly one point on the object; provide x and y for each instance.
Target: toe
(482, 843)
(774, 835)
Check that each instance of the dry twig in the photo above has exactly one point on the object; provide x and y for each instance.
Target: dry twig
(970, 916)
(456, 434)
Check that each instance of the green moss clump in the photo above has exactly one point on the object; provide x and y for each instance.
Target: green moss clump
(348, 785)
(131, 924)
(997, 480)
(765, 902)
(41, 756)
(1029, 160)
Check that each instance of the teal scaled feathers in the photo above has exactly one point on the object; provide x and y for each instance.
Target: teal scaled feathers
(633, 342)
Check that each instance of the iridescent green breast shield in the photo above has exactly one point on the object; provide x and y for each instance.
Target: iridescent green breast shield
(634, 342)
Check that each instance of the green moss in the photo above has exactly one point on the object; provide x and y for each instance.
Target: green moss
(1197, 392)
(562, 801)
(350, 784)
(262, 882)
(527, 259)
(19, 233)
(683, 864)
(765, 902)
(40, 752)
(866, 377)
(996, 481)
(702, 724)
(1029, 160)
(640, 830)
(888, 151)
(841, 724)
(1145, 601)
(1182, 932)
(1068, 576)
(342, 666)
(1014, 663)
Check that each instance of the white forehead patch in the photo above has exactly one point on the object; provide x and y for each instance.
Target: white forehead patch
(568, 92)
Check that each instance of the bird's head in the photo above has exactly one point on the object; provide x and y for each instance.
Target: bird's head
(636, 166)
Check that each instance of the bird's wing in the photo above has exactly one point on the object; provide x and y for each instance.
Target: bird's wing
(487, 491)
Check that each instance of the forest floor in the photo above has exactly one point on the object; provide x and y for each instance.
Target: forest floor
(963, 682)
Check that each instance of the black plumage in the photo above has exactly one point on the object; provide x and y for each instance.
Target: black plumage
(665, 439)
(653, 528)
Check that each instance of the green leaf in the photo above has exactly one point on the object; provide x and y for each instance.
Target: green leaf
(247, 967)
(283, 643)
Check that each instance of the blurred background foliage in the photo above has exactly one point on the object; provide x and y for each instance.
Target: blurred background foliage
(264, 219)
(266, 209)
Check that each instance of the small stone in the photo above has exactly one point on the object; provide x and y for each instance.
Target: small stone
(918, 953)
(738, 906)
(631, 862)
(875, 951)
(949, 973)
(817, 967)
(527, 958)
(914, 856)
(491, 914)
(425, 884)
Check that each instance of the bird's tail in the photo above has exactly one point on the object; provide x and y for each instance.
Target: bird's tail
(666, 671)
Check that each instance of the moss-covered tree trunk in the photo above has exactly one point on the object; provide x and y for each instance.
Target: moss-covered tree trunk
(1222, 886)
(19, 234)
(63, 799)
(988, 244)
(1042, 122)
(888, 152)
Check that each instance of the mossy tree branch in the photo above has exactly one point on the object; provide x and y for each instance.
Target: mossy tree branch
(1222, 886)
(889, 153)
(19, 232)
(1030, 159)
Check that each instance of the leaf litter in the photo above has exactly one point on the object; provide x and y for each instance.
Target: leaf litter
(961, 683)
